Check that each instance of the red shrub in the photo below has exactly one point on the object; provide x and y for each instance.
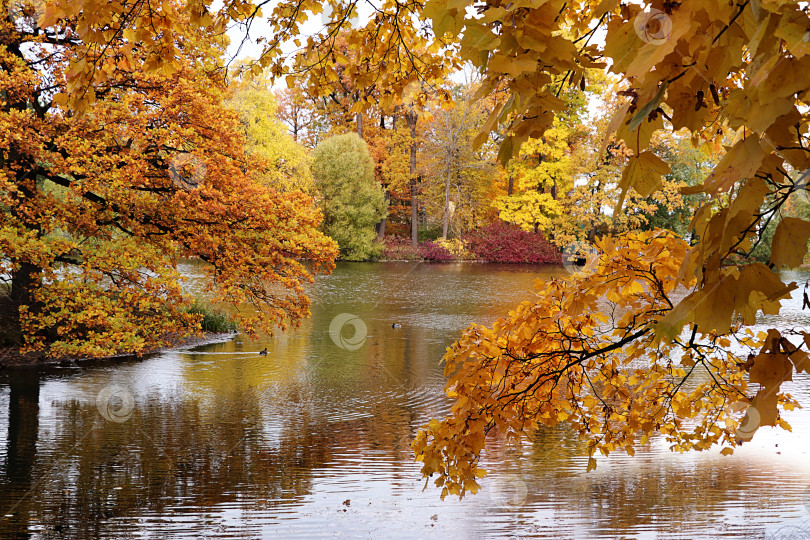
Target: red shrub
(431, 251)
(398, 248)
(505, 243)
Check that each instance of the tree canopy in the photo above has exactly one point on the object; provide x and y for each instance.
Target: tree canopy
(99, 205)
(285, 164)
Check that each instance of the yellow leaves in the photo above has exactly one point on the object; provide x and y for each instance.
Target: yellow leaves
(741, 162)
(446, 19)
(726, 451)
(793, 29)
(649, 107)
(620, 401)
(479, 38)
(638, 138)
(514, 66)
(801, 361)
(771, 370)
(644, 173)
(759, 288)
(790, 242)
(60, 99)
(764, 409)
(711, 308)
(489, 124)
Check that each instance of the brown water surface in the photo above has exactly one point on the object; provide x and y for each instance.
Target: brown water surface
(312, 440)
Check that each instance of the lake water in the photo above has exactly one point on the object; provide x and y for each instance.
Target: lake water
(313, 440)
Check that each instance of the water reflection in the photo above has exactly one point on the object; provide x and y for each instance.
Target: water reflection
(313, 439)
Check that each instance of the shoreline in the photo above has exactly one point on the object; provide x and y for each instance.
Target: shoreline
(471, 261)
(12, 359)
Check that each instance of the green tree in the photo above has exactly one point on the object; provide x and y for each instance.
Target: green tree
(352, 201)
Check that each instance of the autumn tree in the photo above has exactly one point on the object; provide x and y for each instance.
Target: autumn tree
(689, 165)
(542, 173)
(299, 114)
(612, 351)
(284, 164)
(589, 208)
(390, 146)
(540, 177)
(99, 203)
(352, 201)
(457, 175)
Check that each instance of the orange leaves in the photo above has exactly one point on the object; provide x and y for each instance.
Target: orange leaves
(513, 66)
(124, 191)
(582, 353)
(530, 368)
(741, 162)
(731, 292)
(771, 370)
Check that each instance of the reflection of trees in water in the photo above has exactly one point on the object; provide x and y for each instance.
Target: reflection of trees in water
(21, 453)
(621, 498)
(171, 457)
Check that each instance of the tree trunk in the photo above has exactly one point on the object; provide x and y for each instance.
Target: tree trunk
(359, 120)
(380, 227)
(414, 214)
(510, 186)
(23, 282)
(411, 118)
(446, 220)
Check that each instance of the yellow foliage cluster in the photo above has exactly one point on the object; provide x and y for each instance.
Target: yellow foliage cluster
(457, 247)
(588, 351)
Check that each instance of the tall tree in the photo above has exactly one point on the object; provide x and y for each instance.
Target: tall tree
(100, 205)
(298, 114)
(453, 168)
